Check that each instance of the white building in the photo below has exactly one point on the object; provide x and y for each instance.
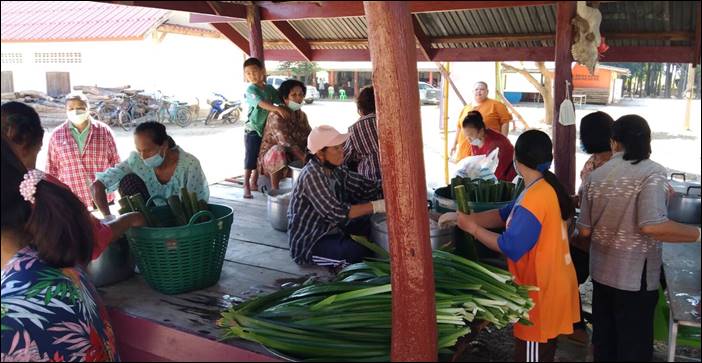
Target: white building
(52, 46)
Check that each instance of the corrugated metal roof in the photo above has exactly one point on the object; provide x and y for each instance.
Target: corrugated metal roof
(618, 17)
(75, 20)
(647, 16)
(270, 32)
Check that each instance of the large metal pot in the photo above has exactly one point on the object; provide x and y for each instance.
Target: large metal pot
(278, 201)
(685, 208)
(679, 183)
(442, 200)
(379, 233)
(115, 264)
(296, 168)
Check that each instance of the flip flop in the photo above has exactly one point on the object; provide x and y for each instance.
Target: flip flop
(250, 196)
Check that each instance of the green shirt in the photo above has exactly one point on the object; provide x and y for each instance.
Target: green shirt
(80, 137)
(257, 115)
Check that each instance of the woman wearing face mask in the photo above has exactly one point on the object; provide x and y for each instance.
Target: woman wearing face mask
(284, 140)
(328, 203)
(22, 133)
(157, 167)
(535, 242)
(484, 140)
(80, 148)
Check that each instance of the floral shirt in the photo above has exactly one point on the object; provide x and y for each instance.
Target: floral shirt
(188, 174)
(287, 134)
(51, 314)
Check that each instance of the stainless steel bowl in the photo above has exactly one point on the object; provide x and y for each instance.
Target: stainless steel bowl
(115, 264)
(379, 233)
(278, 201)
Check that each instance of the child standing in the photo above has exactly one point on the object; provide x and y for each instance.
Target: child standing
(261, 98)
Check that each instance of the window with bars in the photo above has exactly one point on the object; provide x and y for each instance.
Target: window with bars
(12, 58)
(58, 57)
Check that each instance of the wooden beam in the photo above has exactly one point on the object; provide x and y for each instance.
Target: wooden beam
(447, 76)
(234, 36)
(697, 35)
(543, 54)
(563, 136)
(649, 54)
(357, 55)
(423, 40)
(253, 19)
(392, 47)
(294, 38)
(494, 54)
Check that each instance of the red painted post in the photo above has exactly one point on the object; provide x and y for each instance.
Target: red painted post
(431, 78)
(563, 136)
(253, 18)
(393, 52)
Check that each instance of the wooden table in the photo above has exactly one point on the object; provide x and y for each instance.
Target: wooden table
(681, 263)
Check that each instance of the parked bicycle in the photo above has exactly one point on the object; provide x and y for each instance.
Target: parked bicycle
(108, 111)
(174, 111)
(136, 109)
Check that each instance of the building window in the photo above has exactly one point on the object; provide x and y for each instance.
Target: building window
(11, 58)
(59, 57)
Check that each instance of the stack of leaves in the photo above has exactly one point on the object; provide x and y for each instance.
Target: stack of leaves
(349, 319)
(486, 191)
(182, 207)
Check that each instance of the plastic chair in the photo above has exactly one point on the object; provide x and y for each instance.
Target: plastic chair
(342, 94)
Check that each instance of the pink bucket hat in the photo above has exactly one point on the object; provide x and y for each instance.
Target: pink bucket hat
(324, 136)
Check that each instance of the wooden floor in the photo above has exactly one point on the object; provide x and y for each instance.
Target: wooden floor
(257, 260)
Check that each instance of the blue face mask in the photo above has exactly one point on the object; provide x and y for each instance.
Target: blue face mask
(154, 161)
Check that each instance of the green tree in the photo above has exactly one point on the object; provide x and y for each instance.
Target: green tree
(304, 71)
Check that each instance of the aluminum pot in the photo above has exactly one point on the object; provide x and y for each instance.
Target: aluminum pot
(679, 183)
(115, 264)
(278, 201)
(685, 208)
(296, 168)
(379, 233)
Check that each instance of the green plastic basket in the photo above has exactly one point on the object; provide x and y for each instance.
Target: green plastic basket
(174, 260)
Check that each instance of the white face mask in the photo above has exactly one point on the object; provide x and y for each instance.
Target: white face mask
(476, 142)
(78, 117)
(294, 105)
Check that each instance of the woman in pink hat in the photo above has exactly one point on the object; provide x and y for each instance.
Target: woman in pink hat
(329, 203)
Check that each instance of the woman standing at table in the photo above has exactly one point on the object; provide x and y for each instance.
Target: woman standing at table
(623, 211)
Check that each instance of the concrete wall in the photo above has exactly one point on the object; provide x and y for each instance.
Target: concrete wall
(180, 65)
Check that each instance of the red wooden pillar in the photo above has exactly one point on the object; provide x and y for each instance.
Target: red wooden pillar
(355, 84)
(563, 136)
(253, 18)
(393, 52)
(431, 78)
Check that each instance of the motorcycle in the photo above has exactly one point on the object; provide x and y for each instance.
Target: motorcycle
(223, 110)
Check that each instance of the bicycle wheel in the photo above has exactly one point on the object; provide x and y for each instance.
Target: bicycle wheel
(183, 118)
(105, 113)
(124, 119)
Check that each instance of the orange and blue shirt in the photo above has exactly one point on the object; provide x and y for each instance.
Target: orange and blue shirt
(535, 242)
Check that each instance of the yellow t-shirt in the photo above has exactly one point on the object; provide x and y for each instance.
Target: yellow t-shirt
(494, 114)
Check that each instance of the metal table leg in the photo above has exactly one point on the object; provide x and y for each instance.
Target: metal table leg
(672, 337)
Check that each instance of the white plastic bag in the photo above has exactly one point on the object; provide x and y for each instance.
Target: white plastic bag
(479, 166)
